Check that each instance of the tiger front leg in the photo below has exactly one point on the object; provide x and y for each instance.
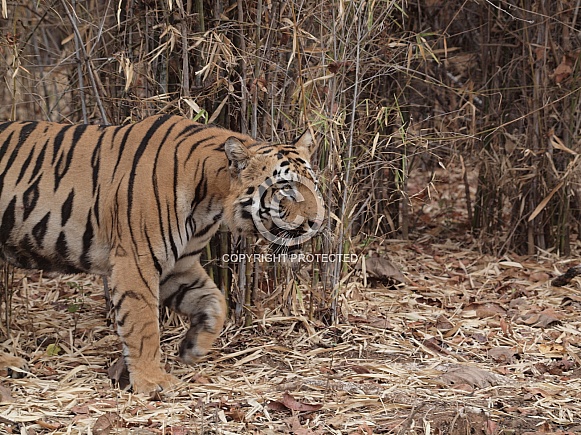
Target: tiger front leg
(136, 301)
(190, 291)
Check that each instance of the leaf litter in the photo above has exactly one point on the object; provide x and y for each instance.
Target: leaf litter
(436, 349)
(466, 343)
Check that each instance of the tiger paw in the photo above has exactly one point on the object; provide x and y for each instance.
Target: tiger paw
(15, 367)
(152, 382)
(195, 345)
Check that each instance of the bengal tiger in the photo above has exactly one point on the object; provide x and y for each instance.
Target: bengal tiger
(139, 203)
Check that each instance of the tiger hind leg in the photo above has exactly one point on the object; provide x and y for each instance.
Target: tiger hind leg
(190, 291)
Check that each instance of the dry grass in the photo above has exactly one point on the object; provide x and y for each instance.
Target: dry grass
(469, 344)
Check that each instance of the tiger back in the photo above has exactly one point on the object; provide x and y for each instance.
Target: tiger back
(139, 203)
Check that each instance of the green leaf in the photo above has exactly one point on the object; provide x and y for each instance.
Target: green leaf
(53, 349)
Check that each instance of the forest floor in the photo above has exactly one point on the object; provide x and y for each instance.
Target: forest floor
(469, 343)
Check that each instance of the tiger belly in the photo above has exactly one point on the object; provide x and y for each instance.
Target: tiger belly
(42, 243)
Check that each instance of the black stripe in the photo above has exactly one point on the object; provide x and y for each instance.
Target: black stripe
(39, 162)
(5, 125)
(8, 220)
(176, 298)
(87, 241)
(67, 208)
(39, 230)
(30, 198)
(121, 148)
(193, 253)
(156, 263)
(62, 247)
(96, 207)
(58, 141)
(25, 166)
(195, 145)
(190, 130)
(127, 294)
(158, 201)
(208, 227)
(64, 161)
(11, 159)
(96, 160)
(26, 129)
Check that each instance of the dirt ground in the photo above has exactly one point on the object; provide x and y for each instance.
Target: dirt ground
(467, 344)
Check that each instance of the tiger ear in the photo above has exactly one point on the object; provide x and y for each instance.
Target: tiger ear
(238, 155)
(305, 141)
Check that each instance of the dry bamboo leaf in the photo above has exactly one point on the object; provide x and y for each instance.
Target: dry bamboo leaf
(514, 264)
(552, 350)
(557, 143)
(178, 430)
(545, 201)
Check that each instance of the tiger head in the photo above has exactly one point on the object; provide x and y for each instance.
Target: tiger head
(273, 191)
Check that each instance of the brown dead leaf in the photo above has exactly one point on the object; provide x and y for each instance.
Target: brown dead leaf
(473, 376)
(357, 319)
(47, 425)
(486, 309)
(502, 354)
(539, 277)
(275, 405)
(5, 395)
(383, 270)
(200, 379)
(443, 324)
(106, 423)
(543, 319)
(505, 327)
(335, 67)
(296, 428)
(80, 409)
(289, 402)
(563, 70)
(540, 53)
(360, 370)
(380, 323)
(571, 300)
(236, 413)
